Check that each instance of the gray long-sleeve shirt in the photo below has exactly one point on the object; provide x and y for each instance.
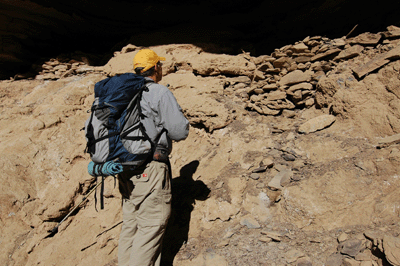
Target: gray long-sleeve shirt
(162, 111)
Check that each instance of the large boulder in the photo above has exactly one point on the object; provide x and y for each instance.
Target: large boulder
(200, 100)
(371, 101)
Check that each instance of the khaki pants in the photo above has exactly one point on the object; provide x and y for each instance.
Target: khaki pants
(146, 207)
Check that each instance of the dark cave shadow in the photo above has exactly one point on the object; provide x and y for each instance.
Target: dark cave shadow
(185, 192)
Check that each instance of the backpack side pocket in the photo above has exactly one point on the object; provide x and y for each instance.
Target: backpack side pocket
(97, 133)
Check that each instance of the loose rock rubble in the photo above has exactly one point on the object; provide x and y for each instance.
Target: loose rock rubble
(360, 251)
(294, 77)
(55, 69)
(287, 79)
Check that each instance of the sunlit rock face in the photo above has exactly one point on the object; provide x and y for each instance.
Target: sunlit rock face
(31, 30)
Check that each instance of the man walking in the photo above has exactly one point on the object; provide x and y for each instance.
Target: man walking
(146, 191)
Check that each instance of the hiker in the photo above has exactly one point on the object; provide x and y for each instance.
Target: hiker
(146, 191)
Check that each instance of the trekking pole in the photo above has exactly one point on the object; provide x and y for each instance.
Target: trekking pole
(55, 229)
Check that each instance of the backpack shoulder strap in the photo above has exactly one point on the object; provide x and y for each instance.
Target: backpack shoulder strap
(146, 82)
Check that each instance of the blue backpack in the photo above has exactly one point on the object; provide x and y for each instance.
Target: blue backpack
(114, 131)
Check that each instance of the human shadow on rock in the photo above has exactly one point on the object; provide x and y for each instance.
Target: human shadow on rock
(185, 192)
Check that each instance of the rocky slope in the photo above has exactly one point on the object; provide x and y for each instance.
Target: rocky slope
(292, 158)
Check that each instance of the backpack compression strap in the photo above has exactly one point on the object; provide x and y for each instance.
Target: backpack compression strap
(93, 141)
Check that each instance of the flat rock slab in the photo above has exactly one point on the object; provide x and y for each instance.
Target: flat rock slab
(260, 169)
(299, 48)
(375, 236)
(255, 176)
(211, 65)
(391, 34)
(279, 104)
(377, 62)
(265, 239)
(326, 54)
(276, 95)
(267, 163)
(393, 28)
(391, 246)
(275, 184)
(362, 257)
(342, 237)
(351, 52)
(272, 235)
(272, 86)
(296, 77)
(316, 124)
(302, 59)
(339, 42)
(351, 247)
(366, 38)
(301, 86)
(272, 70)
(280, 180)
(288, 157)
(293, 255)
(389, 140)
